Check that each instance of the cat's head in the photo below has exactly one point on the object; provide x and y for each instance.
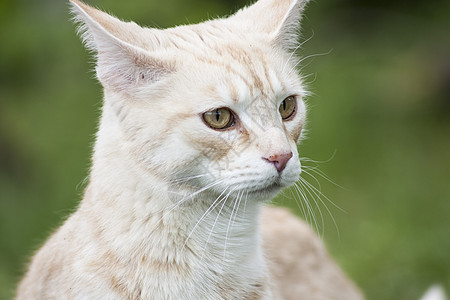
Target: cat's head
(216, 106)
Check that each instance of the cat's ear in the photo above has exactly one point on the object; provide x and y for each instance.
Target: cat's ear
(123, 59)
(280, 19)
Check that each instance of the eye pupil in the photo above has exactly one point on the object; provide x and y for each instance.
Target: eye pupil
(284, 104)
(217, 115)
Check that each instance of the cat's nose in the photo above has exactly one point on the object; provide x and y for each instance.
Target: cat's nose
(279, 160)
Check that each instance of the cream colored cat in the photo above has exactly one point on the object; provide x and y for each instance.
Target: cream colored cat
(199, 128)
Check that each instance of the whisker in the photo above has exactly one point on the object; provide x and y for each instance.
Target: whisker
(304, 171)
(213, 205)
(183, 200)
(304, 158)
(310, 211)
(225, 199)
(245, 202)
(309, 82)
(314, 197)
(322, 195)
(238, 205)
(191, 196)
(184, 179)
(319, 196)
(311, 56)
(295, 50)
(319, 172)
(229, 224)
(299, 203)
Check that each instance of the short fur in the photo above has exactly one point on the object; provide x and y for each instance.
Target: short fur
(174, 209)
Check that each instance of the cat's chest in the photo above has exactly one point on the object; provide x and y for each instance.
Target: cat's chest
(149, 264)
(200, 278)
(171, 281)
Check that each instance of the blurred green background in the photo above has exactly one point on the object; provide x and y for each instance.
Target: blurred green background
(379, 119)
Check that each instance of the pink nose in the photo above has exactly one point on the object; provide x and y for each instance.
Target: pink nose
(279, 160)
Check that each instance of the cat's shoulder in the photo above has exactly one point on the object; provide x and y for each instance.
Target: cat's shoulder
(298, 260)
(286, 236)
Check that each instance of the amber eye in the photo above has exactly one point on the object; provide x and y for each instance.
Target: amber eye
(219, 118)
(287, 107)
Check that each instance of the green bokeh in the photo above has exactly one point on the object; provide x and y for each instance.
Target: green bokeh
(379, 119)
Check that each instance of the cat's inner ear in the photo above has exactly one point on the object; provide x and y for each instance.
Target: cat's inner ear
(124, 49)
(280, 19)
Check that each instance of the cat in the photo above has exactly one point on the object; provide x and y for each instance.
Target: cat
(199, 129)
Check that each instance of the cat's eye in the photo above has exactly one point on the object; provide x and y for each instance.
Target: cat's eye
(219, 118)
(288, 107)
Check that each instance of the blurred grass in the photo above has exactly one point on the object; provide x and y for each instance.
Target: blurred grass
(381, 105)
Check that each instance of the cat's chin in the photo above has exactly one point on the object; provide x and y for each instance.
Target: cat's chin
(266, 193)
(263, 191)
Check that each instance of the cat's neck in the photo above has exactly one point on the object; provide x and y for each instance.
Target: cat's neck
(222, 228)
(214, 236)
